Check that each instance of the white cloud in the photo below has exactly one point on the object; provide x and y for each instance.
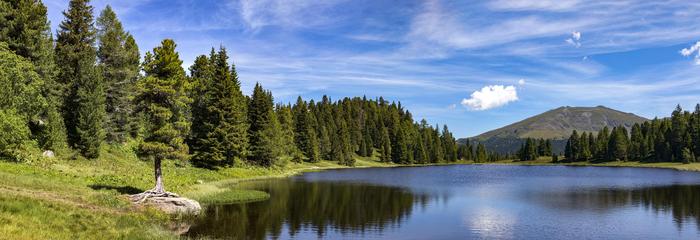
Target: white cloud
(575, 39)
(693, 49)
(521, 82)
(491, 97)
(446, 27)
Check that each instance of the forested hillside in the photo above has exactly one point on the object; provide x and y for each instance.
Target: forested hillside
(555, 125)
(86, 87)
(674, 139)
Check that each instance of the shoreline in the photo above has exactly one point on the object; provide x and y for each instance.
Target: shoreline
(231, 184)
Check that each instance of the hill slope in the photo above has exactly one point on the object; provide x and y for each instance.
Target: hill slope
(555, 124)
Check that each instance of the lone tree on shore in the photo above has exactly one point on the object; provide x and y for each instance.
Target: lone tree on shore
(162, 100)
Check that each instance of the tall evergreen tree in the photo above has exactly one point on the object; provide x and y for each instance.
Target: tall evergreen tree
(264, 131)
(449, 144)
(84, 106)
(305, 135)
(286, 120)
(695, 131)
(481, 154)
(678, 132)
(221, 117)
(119, 70)
(162, 99)
(385, 144)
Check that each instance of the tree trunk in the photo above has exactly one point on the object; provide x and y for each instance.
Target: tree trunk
(159, 176)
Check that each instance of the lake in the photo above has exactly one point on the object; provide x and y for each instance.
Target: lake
(466, 202)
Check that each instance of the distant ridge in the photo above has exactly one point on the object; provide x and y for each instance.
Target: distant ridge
(556, 124)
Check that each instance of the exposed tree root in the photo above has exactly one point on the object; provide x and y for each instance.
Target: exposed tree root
(141, 197)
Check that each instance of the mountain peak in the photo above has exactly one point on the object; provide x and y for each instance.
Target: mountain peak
(558, 123)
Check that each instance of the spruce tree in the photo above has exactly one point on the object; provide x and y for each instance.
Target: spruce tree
(304, 134)
(264, 130)
(84, 105)
(678, 131)
(695, 131)
(162, 99)
(119, 70)
(449, 144)
(221, 134)
(201, 77)
(481, 154)
(574, 147)
(286, 120)
(385, 144)
(602, 146)
(636, 141)
(584, 148)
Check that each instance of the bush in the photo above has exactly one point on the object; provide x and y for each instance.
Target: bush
(15, 143)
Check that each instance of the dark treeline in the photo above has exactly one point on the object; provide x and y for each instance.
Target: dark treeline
(90, 87)
(532, 149)
(674, 139)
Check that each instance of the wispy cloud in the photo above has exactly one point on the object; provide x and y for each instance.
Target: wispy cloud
(289, 14)
(528, 5)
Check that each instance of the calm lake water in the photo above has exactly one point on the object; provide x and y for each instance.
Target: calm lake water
(467, 202)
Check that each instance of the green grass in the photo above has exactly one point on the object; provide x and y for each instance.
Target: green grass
(233, 196)
(70, 197)
(547, 161)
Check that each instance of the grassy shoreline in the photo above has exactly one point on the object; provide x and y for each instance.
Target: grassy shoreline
(693, 167)
(74, 198)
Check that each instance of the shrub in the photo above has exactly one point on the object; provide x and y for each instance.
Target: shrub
(15, 143)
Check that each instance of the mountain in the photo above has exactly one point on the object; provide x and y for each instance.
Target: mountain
(556, 124)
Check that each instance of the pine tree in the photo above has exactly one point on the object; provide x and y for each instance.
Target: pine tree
(385, 145)
(574, 147)
(617, 146)
(305, 136)
(695, 131)
(449, 144)
(220, 113)
(84, 105)
(568, 153)
(602, 146)
(119, 70)
(264, 131)
(481, 154)
(162, 99)
(286, 120)
(24, 26)
(636, 141)
(678, 131)
(201, 77)
(585, 151)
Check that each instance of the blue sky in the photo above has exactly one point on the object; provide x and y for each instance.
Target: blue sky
(472, 65)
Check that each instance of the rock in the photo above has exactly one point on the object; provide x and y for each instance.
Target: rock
(48, 154)
(174, 205)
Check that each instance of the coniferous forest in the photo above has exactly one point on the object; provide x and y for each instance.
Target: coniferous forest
(674, 139)
(86, 86)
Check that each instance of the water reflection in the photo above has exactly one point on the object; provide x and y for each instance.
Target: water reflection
(297, 206)
(681, 201)
(466, 202)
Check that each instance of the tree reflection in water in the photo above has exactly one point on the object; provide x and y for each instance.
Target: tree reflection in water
(682, 201)
(316, 206)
